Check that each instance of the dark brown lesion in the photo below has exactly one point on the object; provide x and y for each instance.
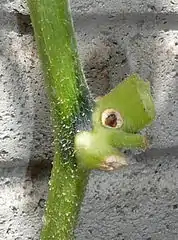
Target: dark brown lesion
(111, 120)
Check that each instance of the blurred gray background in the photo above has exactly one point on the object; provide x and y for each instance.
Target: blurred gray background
(115, 38)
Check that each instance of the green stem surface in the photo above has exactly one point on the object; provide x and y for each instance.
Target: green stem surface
(70, 101)
(116, 117)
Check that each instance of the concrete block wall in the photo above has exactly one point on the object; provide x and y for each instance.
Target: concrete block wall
(116, 38)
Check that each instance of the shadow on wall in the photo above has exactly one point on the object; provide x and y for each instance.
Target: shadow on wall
(164, 21)
(106, 63)
(29, 102)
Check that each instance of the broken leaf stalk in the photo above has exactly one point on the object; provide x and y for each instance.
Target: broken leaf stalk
(116, 120)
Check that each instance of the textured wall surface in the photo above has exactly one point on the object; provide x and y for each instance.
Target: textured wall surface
(116, 38)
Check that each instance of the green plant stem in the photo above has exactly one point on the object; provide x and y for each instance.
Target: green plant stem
(130, 106)
(70, 100)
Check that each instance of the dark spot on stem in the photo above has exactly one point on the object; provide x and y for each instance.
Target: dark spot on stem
(111, 120)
